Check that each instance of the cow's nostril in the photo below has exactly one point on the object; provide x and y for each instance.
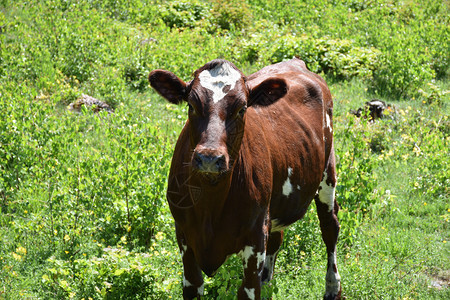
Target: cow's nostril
(209, 163)
(220, 162)
(198, 158)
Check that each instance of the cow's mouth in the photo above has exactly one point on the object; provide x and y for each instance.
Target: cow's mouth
(213, 178)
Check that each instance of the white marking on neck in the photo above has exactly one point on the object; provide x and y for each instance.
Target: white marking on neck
(326, 193)
(250, 293)
(216, 79)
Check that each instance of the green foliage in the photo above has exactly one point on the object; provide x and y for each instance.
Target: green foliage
(79, 181)
(412, 39)
(183, 14)
(131, 11)
(433, 94)
(408, 38)
(356, 180)
(403, 48)
(231, 14)
(116, 274)
(82, 197)
(391, 78)
(337, 58)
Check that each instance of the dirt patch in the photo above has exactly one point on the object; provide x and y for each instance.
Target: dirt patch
(440, 281)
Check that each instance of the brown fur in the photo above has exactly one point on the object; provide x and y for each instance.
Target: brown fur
(218, 213)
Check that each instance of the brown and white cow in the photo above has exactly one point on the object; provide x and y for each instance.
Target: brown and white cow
(253, 154)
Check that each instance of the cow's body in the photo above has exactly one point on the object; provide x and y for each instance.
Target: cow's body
(240, 176)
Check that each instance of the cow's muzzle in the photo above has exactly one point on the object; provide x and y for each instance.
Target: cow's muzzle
(210, 163)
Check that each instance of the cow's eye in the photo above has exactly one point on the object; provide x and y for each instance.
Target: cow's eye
(190, 108)
(242, 111)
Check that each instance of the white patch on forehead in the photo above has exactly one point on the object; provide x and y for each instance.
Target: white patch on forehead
(377, 103)
(218, 78)
(326, 192)
(250, 293)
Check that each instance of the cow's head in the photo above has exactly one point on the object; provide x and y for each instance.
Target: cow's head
(218, 98)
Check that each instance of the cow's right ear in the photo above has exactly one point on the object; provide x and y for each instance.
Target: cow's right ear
(168, 85)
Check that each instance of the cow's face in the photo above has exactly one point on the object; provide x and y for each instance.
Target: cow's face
(217, 98)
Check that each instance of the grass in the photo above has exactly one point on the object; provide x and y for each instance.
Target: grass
(82, 197)
(397, 250)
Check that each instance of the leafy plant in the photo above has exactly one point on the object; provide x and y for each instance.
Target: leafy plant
(433, 95)
(183, 14)
(117, 274)
(231, 14)
(338, 58)
(82, 196)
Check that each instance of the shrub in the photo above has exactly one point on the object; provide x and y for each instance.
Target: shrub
(231, 14)
(357, 181)
(403, 71)
(116, 274)
(340, 59)
(433, 94)
(184, 14)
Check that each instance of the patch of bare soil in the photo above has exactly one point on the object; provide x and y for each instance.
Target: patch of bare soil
(440, 281)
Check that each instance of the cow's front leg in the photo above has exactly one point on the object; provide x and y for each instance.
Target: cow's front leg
(253, 258)
(192, 275)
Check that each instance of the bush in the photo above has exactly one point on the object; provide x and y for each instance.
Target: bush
(403, 71)
(116, 274)
(231, 14)
(357, 182)
(340, 59)
(184, 14)
(433, 95)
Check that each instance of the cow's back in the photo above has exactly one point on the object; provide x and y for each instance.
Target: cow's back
(294, 130)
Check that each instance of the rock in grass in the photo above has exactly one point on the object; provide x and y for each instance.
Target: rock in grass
(91, 103)
(373, 108)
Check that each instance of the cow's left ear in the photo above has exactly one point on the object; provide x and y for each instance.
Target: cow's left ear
(168, 85)
(267, 92)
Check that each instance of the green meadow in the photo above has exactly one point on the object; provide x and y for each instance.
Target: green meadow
(83, 213)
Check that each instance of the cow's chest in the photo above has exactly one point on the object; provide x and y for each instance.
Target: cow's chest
(213, 238)
(211, 245)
